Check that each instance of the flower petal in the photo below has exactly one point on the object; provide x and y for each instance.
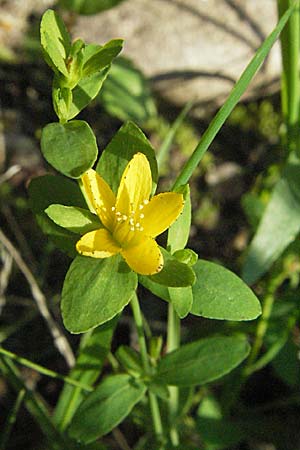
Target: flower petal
(144, 258)
(100, 195)
(161, 212)
(98, 244)
(135, 185)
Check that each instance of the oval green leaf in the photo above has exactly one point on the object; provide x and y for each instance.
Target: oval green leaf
(202, 361)
(70, 148)
(106, 407)
(77, 220)
(220, 294)
(55, 41)
(94, 291)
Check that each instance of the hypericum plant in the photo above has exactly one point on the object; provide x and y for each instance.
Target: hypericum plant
(107, 219)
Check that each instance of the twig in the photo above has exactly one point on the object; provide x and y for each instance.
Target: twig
(60, 340)
(13, 170)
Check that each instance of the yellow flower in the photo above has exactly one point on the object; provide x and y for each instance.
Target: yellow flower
(131, 220)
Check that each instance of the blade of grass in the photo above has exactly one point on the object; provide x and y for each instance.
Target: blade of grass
(235, 95)
(167, 142)
(11, 419)
(33, 403)
(43, 370)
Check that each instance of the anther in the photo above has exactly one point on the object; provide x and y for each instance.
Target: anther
(118, 213)
(146, 202)
(131, 221)
(138, 225)
(119, 219)
(141, 206)
(131, 228)
(113, 208)
(124, 217)
(142, 215)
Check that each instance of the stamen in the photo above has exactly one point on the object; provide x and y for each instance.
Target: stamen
(118, 213)
(113, 208)
(124, 217)
(119, 219)
(146, 202)
(138, 225)
(141, 206)
(131, 221)
(131, 228)
(142, 215)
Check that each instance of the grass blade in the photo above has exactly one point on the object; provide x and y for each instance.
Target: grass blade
(231, 102)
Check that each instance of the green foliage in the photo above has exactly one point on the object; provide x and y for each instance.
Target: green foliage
(182, 300)
(94, 347)
(85, 91)
(202, 361)
(125, 143)
(174, 272)
(55, 41)
(95, 291)
(106, 407)
(70, 148)
(279, 226)
(50, 189)
(130, 360)
(88, 6)
(101, 57)
(217, 294)
(220, 294)
(77, 220)
(126, 93)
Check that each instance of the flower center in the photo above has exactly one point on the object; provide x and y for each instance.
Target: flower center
(126, 225)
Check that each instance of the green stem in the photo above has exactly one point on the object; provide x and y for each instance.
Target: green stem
(173, 342)
(261, 328)
(263, 323)
(154, 407)
(43, 370)
(166, 144)
(290, 81)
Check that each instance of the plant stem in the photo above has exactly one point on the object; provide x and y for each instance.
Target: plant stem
(173, 342)
(263, 323)
(154, 406)
(290, 47)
